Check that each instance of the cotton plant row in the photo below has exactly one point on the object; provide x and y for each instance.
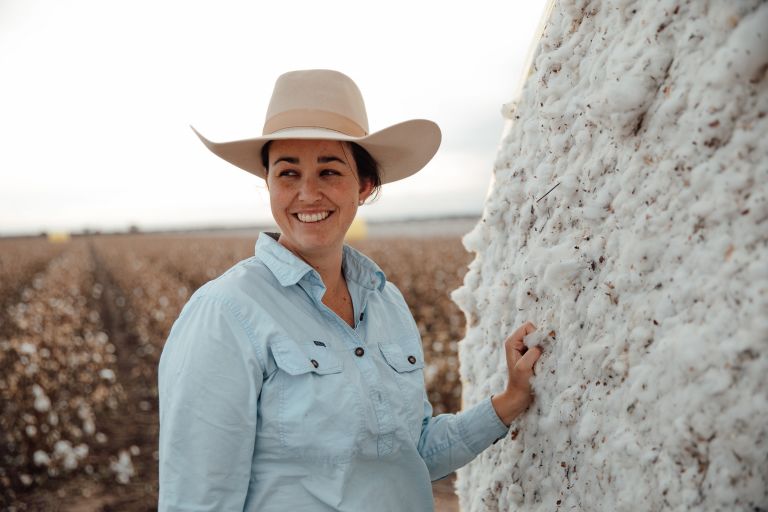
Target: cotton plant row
(192, 260)
(628, 219)
(20, 260)
(57, 374)
(149, 297)
(141, 300)
(198, 260)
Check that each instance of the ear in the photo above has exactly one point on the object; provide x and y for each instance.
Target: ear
(366, 188)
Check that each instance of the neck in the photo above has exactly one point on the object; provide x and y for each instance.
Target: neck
(326, 263)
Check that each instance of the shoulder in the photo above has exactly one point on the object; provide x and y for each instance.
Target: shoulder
(392, 294)
(237, 296)
(246, 280)
(221, 314)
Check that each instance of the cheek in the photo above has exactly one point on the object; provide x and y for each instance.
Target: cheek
(351, 196)
(277, 199)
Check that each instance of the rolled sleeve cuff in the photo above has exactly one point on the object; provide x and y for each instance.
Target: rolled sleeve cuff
(480, 426)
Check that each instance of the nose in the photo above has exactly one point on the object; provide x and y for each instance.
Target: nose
(309, 190)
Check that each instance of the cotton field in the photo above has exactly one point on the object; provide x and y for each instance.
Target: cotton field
(82, 326)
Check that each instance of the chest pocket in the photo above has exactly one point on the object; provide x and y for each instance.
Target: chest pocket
(407, 364)
(318, 411)
(296, 359)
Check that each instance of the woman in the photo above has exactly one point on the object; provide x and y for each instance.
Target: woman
(294, 381)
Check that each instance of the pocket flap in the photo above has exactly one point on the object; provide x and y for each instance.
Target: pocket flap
(295, 358)
(400, 360)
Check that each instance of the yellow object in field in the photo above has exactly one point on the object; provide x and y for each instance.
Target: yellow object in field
(58, 237)
(358, 230)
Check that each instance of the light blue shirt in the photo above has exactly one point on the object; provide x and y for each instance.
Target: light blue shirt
(271, 402)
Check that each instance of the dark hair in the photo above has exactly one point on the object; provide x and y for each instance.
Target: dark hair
(367, 166)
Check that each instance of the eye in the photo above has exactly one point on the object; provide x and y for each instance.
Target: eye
(287, 173)
(330, 172)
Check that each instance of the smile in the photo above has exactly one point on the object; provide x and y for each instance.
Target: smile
(312, 217)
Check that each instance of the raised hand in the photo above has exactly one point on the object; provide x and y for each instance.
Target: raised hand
(516, 398)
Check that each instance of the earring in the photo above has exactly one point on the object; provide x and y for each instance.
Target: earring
(360, 203)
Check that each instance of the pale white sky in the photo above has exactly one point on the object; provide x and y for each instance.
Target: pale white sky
(96, 99)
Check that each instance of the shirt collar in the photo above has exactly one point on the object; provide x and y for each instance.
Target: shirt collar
(289, 269)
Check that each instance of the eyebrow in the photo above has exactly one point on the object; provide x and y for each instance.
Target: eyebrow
(289, 159)
(321, 160)
(329, 159)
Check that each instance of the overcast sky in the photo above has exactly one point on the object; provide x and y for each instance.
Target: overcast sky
(96, 99)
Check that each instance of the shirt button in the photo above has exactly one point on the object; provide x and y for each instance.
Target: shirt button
(411, 359)
(314, 363)
(359, 351)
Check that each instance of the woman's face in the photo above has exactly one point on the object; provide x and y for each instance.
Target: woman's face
(314, 192)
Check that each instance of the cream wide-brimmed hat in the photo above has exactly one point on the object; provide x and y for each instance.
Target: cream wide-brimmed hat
(327, 105)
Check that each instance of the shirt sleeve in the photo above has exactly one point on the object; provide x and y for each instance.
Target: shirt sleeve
(209, 380)
(449, 441)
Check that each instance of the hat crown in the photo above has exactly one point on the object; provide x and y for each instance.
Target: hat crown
(317, 98)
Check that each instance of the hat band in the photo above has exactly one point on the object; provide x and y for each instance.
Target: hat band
(312, 118)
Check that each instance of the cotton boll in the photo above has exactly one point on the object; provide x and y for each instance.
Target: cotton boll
(81, 451)
(508, 110)
(745, 54)
(89, 427)
(107, 374)
(568, 185)
(42, 402)
(40, 458)
(592, 212)
(515, 494)
(123, 468)
(68, 456)
(565, 405)
(558, 275)
(538, 338)
(473, 240)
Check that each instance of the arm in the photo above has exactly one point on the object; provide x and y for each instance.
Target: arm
(449, 441)
(209, 384)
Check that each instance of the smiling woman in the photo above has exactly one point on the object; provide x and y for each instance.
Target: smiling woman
(295, 380)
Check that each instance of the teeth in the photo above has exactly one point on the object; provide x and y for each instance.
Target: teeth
(312, 217)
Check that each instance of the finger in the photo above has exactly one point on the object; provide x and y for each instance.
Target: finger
(516, 344)
(527, 361)
(514, 351)
(522, 331)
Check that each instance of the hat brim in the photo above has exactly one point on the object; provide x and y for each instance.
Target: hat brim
(401, 150)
